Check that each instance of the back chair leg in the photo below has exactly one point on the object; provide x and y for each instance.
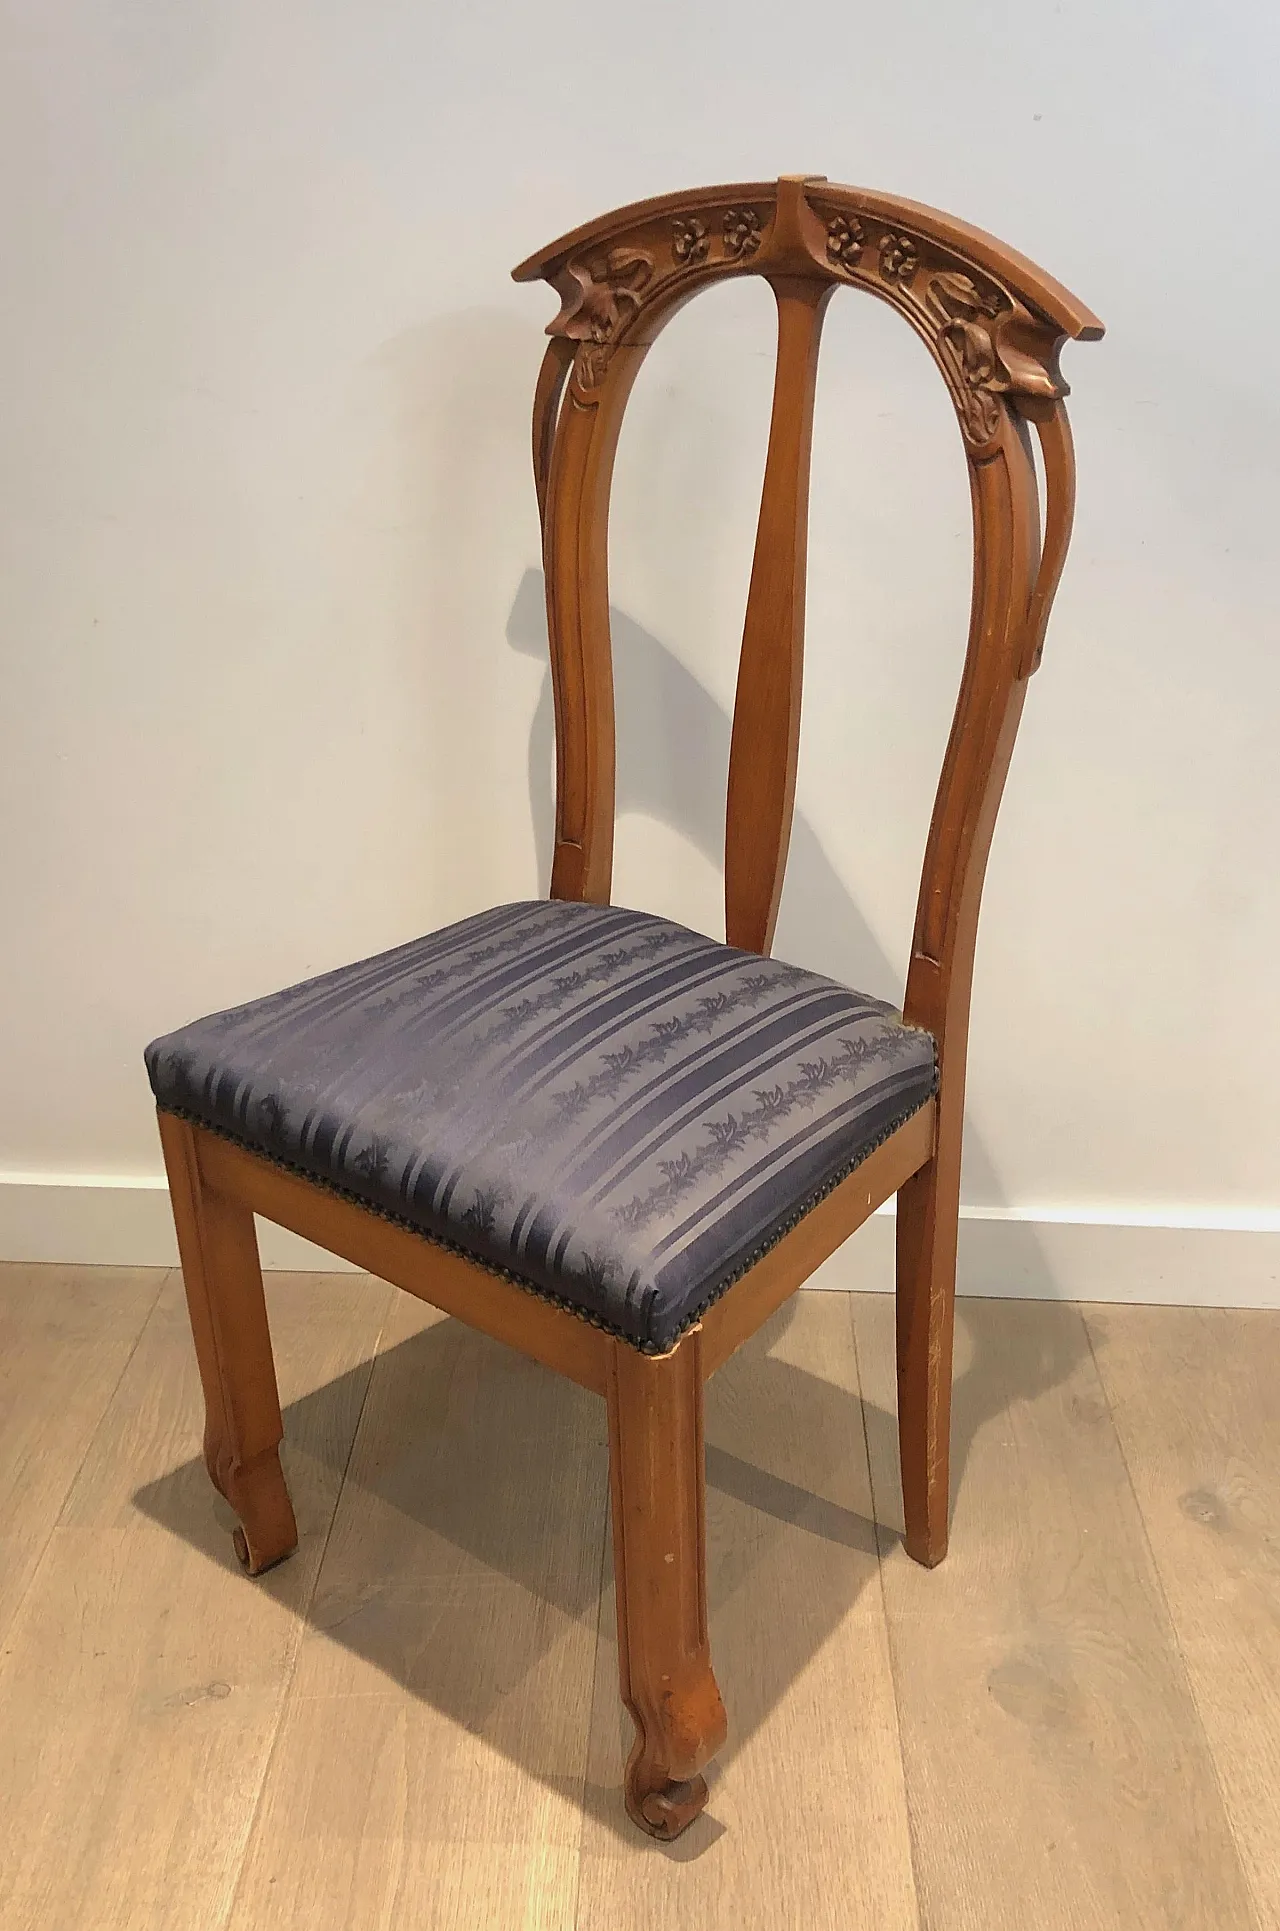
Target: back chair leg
(658, 1481)
(218, 1247)
(928, 1216)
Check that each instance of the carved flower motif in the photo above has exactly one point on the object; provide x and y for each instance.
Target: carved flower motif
(846, 237)
(898, 258)
(965, 313)
(689, 242)
(593, 360)
(741, 231)
(610, 291)
(602, 298)
(980, 415)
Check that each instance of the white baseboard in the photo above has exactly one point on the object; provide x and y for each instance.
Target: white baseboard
(105, 1221)
(1049, 1257)
(1205, 1259)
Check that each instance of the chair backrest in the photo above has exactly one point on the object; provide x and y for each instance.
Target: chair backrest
(994, 324)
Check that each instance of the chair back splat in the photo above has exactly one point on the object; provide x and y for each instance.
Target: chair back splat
(994, 324)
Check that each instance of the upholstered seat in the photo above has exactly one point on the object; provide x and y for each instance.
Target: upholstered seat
(615, 1111)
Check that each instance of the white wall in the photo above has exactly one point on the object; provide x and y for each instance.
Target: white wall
(272, 649)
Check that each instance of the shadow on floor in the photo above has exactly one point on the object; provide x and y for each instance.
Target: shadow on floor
(475, 1470)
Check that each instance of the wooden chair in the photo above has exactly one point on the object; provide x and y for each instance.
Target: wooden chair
(605, 1140)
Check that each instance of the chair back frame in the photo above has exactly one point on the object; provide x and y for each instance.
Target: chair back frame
(994, 324)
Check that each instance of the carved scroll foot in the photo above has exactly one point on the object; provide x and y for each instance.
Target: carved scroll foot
(663, 1788)
(218, 1248)
(258, 1493)
(659, 1545)
(665, 1812)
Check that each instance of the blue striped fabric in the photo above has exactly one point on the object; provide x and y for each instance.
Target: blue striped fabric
(615, 1111)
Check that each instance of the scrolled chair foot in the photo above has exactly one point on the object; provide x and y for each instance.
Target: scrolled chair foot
(678, 1731)
(258, 1493)
(667, 1809)
(659, 1552)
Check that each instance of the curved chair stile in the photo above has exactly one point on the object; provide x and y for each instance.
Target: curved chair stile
(994, 325)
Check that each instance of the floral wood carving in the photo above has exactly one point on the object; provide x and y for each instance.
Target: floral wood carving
(898, 258)
(846, 238)
(606, 294)
(987, 343)
(965, 344)
(741, 232)
(689, 242)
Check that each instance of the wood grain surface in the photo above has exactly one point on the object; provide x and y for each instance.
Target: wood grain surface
(806, 1822)
(1073, 1722)
(66, 1335)
(1193, 1393)
(1057, 1771)
(434, 1748)
(143, 1677)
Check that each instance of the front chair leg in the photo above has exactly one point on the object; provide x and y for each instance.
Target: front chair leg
(659, 1552)
(218, 1248)
(928, 1216)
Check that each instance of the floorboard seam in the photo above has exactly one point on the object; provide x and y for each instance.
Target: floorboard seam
(143, 1325)
(12, 1620)
(885, 1617)
(591, 1715)
(303, 1610)
(1188, 1677)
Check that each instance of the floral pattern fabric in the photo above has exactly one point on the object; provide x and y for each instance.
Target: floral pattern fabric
(613, 1110)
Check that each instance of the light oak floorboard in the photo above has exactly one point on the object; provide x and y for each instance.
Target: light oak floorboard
(66, 1334)
(431, 1764)
(1056, 1769)
(806, 1824)
(144, 1675)
(1194, 1395)
(1060, 1727)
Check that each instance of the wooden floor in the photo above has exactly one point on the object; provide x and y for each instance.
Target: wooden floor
(1074, 1722)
